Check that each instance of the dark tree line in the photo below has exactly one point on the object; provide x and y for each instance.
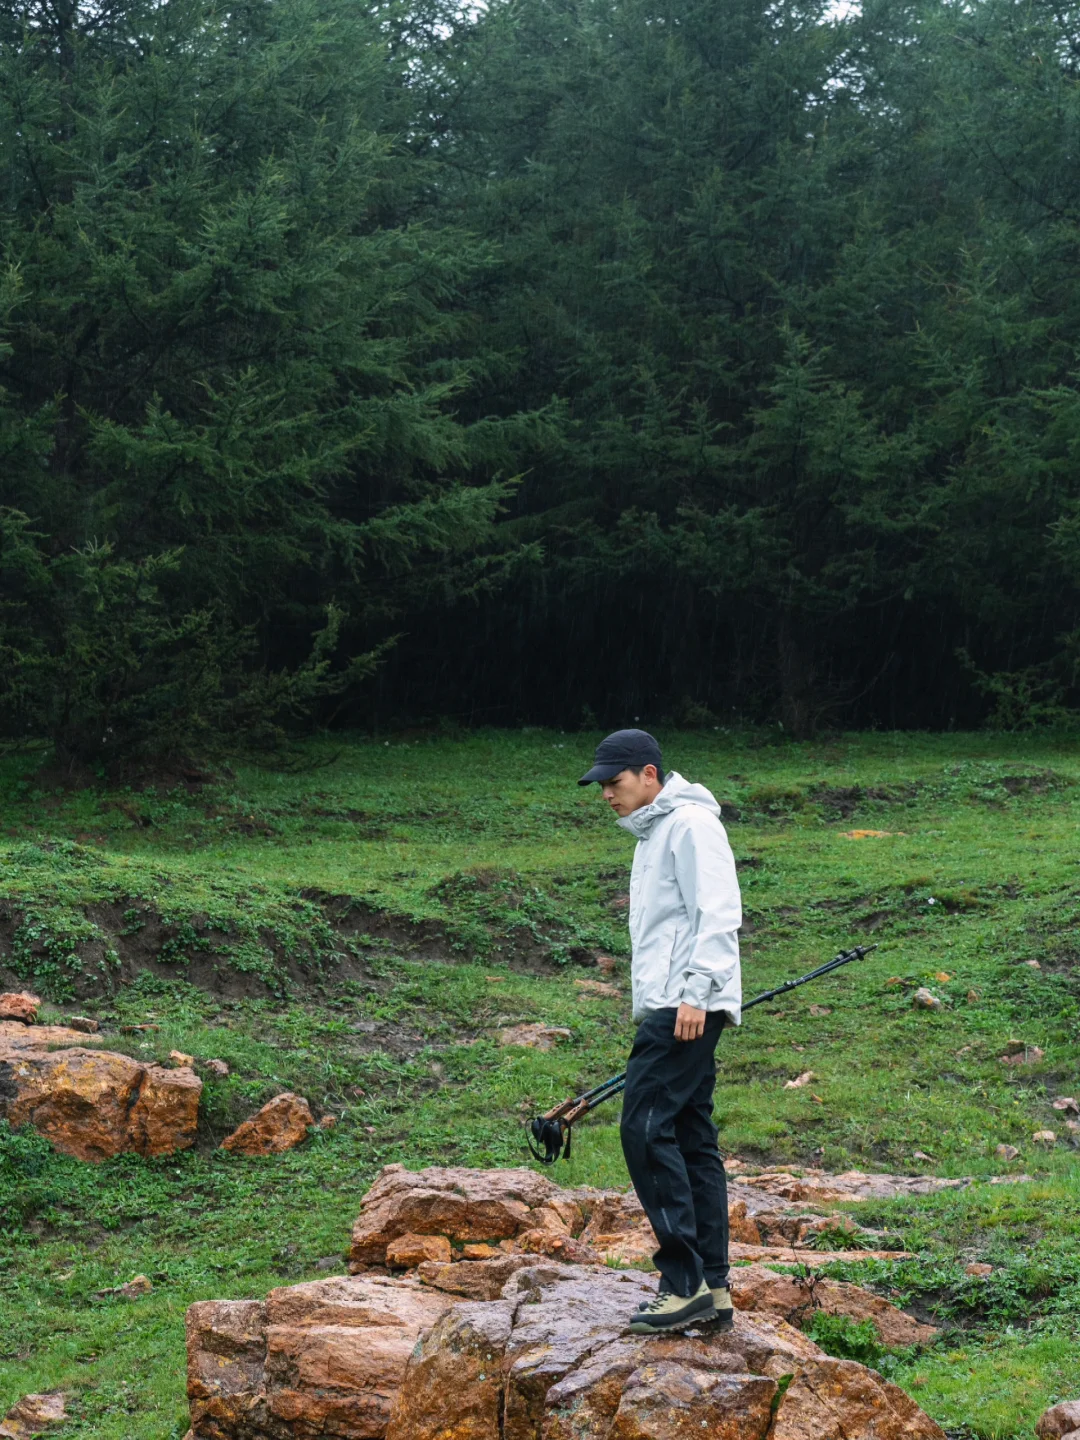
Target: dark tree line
(566, 361)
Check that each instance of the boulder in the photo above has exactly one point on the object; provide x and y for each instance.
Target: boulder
(325, 1358)
(545, 1358)
(551, 1354)
(765, 1291)
(280, 1125)
(464, 1205)
(83, 1024)
(33, 1415)
(1059, 1421)
(842, 1400)
(216, 1067)
(21, 1006)
(93, 1104)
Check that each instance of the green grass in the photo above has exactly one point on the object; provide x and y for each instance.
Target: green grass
(502, 877)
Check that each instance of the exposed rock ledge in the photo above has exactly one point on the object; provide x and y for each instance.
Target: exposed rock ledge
(368, 1356)
(504, 1343)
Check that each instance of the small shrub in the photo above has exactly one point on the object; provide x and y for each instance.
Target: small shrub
(845, 1338)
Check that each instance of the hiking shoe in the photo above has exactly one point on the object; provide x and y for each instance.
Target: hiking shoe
(673, 1312)
(725, 1312)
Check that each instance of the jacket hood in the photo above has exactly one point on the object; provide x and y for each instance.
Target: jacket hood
(676, 793)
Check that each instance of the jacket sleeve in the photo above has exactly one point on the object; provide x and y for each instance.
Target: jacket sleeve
(705, 873)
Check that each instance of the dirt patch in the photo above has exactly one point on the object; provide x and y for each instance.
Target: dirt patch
(1037, 784)
(841, 801)
(354, 919)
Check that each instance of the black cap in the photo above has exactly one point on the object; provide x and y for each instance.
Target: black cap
(624, 750)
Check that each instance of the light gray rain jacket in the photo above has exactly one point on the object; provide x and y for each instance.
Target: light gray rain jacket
(685, 907)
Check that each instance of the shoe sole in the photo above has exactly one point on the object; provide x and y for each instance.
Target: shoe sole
(722, 1322)
(700, 1317)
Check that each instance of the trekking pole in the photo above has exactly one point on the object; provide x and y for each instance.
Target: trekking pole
(554, 1129)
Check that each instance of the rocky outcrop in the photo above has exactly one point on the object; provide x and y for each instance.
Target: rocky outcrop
(841, 1400)
(464, 1205)
(93, 1104)
(280, 1125)
(526, 1212)
(546, 1359)
(819, 1187)
(765, 1291)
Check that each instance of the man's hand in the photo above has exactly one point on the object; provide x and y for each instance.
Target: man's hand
(689, 1023)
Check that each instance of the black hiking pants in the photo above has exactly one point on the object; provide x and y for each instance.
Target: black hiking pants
(669, 1141)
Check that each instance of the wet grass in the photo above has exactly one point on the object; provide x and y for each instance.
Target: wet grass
(503, 881)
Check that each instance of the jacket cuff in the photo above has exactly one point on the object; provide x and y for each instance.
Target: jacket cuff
(696, 991)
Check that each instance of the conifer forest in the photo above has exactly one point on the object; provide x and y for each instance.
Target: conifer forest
(547, 361)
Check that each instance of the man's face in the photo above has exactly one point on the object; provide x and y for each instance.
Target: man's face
(627, 792)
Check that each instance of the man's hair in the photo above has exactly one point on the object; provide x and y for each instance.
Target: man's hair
(637, 769)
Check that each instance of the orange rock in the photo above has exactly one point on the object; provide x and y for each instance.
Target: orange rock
(666, 1401)
(1018, 1053)
(280, 1125)
(757, 1289)
(136, 1288)
(841, 1400)
(327, 1122)
(179, 1058)
(978, 1270)
(479, 1280)
(742, 1227)
(21, 1006)
(366, 1356)
(466, 1205)
(226, 1364)
(461, 1358)
(94, 1104)
(599, 987)
(324, 1358)
(33, 1415)
(216, 1067)
(618, 1228)
(558, 1246)
(534, 1037)
(408, 1251)
(787, 1183)
(478, 1252)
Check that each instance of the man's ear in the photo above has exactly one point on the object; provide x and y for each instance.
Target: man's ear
(650, 772)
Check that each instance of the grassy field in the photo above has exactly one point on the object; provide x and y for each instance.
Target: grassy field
(359, 925)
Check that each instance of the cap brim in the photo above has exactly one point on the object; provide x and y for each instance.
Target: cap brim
(601, 773)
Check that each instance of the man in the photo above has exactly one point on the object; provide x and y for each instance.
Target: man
(685, 913)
